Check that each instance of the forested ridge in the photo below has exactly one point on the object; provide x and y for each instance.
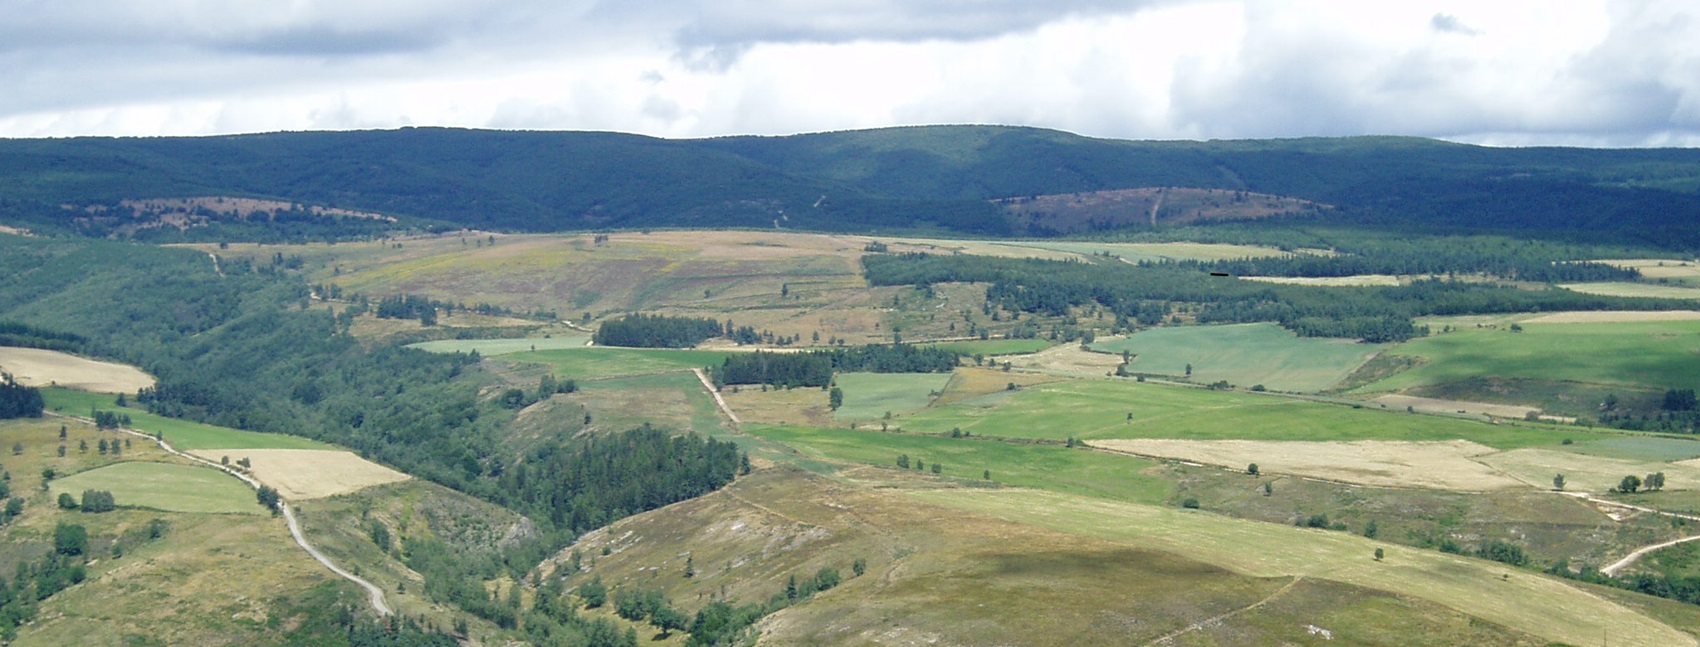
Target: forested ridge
(916, 178)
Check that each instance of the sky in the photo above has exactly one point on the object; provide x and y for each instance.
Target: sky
(1500, 72)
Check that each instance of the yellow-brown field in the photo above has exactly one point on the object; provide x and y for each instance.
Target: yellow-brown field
(36, 367)
(308, 473)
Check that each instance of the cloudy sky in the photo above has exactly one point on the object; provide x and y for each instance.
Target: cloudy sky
(1504, 72)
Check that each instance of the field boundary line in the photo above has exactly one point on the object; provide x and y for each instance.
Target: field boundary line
(375, 594)
(718, 401)
(1217, 619)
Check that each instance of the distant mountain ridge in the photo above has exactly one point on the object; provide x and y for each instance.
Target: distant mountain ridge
(908, 178)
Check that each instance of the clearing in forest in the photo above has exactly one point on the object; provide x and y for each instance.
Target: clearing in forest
(1625, 289)
(1383, 280)
(494, 347)
(163, 486)
(1243, 354)
(1443, 465)
(37, 367)
(308, 473)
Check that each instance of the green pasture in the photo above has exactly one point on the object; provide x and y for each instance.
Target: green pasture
(1049, 467)
(1639, 448)
(1244, 355)
(600, 361)
(1651, 354)
(677, 400)
(1098, 409)
(991, 346)
(868, 396)
(163, 486)
(182, 434)
(1520, 600)
(493, 347)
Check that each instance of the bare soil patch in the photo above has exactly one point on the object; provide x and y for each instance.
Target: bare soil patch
(308, 473)
(37, 367)
(1435, 405)
(1616, 316)
(1446, 465)
(1334, 281)
(1066, 359)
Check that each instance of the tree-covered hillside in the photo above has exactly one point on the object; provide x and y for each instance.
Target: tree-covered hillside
(916, 178)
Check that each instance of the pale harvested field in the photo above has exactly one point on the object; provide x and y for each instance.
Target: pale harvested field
(36, 367)
(1621, 289)
(1433, 405)
(1066, 359)
(1330, 281)
(1589, 473)
(975, 247)
(308, 473)
(750, 245)
(1617, 316)
(1447, 465)
(1658, 268)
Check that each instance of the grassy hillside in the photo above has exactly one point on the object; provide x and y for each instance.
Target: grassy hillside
(1632, 354)
(1244, 355)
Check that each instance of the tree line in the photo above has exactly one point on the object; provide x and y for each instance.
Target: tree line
(1375, 314)
(816, 367)
(657, 331)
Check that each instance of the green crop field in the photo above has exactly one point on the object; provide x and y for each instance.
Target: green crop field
(1098, 409)
(1049, 467)
(1522, 601)
(597, 361)
(182, 434)
(868, 396)
(1641, 448)
(992, 346)
(164, 486)
(493, 347)
(677, 400)
(1244, 355)
(1652, 354)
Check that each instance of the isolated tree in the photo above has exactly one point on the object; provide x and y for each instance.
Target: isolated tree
(1268, 488)
(269, 498)
(1251, 469)
(1379, 553)
(594, 593)
(1189, 370)
(859, 566)
(17, 449)
(1371, 529)
(1558, 482)
(1629, 484)
(70, 539)
(1654, 481)
(62, 432)
(61, 451)
(83, 446)
(987, 475)
(835, 398)
(937, 468)
(67, 502)
(668, 620)
(903, 461)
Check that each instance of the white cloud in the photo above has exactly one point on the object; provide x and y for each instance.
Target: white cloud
(1592, 72)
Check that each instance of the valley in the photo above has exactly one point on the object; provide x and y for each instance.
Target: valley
(1268, 417)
